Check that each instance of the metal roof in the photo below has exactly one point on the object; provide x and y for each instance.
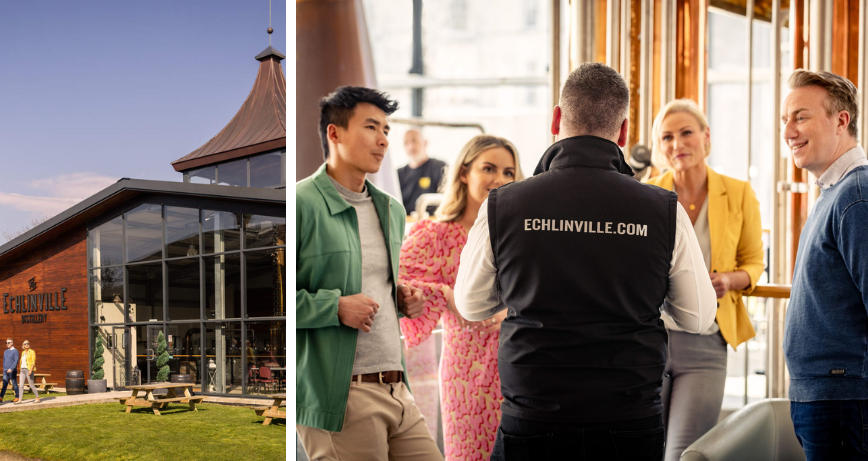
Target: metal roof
(260, 124)
(121, 191)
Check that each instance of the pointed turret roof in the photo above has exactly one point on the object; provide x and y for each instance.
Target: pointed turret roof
(258, 126)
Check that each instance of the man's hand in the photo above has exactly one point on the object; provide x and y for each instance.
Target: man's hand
(357, 311)
(411, 302)
(9, 371)
(720, 281)
(492, 324)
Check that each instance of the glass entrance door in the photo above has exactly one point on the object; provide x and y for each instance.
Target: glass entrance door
(119, 348)
(153, 332)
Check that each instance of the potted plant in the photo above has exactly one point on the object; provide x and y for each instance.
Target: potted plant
(97, 384)
(162, 359)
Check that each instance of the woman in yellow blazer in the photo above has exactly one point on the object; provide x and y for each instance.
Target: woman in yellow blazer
(726, 218)
(28, 367)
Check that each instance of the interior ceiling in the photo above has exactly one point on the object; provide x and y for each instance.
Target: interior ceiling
(762, 9)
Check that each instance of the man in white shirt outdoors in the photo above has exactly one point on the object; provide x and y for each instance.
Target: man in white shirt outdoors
(580, 259)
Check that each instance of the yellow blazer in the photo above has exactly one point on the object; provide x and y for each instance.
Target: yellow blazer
(736, 244)
(29, 359)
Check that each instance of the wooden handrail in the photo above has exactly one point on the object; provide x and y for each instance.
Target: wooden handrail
(771, 291)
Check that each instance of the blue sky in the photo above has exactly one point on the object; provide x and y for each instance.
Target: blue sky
(95, 91)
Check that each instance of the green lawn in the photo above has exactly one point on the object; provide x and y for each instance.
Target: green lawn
(104, 431)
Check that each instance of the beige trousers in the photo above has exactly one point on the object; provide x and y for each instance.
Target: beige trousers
(382, 423)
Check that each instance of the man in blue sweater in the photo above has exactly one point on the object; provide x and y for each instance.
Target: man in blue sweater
(10, 365)
(827, 322)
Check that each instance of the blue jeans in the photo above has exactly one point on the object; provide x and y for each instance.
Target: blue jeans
(832, 429)
(525, 440)
(6, 378)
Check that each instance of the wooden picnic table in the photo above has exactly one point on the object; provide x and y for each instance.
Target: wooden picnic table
(274, 410)
(157, 402)
(41, 384)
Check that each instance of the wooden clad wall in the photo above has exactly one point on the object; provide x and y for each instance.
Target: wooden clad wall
(61, 343)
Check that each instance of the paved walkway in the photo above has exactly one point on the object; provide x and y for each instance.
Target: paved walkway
(108, 397)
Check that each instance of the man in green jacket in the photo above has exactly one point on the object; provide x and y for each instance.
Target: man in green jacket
(352, 396)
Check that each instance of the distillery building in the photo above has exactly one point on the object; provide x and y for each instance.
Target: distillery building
(203, 261)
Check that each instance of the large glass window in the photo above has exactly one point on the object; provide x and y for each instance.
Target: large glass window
(145, 292)
(182, 232)
(169, 266)
(232, 173)
(205, 175)
(182, 340)
(107, 243)
(266, 275)
(222, 286)
(264, 231)
(221, 231)
(266, 348)
(224, 371)
(144, 233)
(266, 170)
(183, 287)
(107, 295)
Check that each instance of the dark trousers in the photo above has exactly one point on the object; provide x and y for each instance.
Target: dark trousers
(636, 440)
(6, 378)
(832, 429)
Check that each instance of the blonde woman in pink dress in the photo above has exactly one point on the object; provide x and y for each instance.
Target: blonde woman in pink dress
(469, 382)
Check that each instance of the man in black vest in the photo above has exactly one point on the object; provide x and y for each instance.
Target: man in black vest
(584, 258)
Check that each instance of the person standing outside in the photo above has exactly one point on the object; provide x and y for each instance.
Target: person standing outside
(422, 175)
(827, 319)
(28, 367)
(583, 257)
(10, 366)
(352, 396)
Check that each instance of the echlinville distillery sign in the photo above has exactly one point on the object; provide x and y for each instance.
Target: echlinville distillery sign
(29, 305)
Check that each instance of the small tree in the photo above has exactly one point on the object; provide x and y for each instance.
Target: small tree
(96, 371)
(162, 359)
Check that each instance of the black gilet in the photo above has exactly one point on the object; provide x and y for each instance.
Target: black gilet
(582, 252)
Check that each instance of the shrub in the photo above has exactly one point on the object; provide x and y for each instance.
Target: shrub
(162, 359)
(96, 371)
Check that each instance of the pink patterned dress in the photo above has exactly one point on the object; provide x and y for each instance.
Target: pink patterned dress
(469, 381)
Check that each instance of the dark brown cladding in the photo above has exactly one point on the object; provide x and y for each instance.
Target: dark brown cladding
(55, 267)
(260, 124)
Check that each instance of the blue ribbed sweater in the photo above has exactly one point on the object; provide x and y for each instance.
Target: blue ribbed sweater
(826, 335)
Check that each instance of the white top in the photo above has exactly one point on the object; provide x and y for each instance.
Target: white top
(24, 359)
(851, 159)
(690, 301)
(703, 236)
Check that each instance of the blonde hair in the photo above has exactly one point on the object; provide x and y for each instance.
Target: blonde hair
(842, 94)
(455, 193)
(674, 107)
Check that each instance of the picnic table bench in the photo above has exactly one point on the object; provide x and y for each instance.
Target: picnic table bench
(41, 384)
(273, 411)
(158, 402)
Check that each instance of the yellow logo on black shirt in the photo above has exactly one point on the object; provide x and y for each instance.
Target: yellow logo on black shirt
(424, 182)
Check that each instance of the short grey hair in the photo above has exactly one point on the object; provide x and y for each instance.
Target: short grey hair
(595, 100)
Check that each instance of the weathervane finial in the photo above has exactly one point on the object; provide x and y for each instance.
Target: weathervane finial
(270, 30)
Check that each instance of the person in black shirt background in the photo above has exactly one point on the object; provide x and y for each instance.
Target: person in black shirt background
(423, 174)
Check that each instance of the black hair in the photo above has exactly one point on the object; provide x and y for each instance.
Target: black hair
(337, 108)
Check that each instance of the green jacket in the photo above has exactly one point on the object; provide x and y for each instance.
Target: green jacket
(328, 264)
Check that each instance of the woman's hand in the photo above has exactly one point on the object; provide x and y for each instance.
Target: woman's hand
(726, 281)
(450, 304)
(721, 283)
